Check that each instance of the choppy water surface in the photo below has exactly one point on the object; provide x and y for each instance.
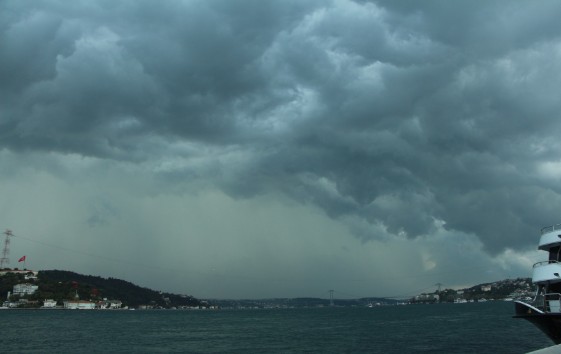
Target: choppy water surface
(446, 328)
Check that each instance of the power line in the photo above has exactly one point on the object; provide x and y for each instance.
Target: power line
(83, 253)
(207, 274)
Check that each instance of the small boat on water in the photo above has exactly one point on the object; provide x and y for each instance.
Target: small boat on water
(544, 311)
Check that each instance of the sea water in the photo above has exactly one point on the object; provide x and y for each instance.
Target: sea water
(439, 328)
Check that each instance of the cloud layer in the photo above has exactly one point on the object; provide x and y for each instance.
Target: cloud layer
(399, 120)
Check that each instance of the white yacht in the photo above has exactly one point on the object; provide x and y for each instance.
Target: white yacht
(544, 310)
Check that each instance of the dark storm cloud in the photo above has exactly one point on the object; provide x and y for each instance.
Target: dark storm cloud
(400, 113)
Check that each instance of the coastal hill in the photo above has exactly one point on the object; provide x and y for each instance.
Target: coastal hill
(520, 288)
(62, 285)
(300, 302)
(508, 289)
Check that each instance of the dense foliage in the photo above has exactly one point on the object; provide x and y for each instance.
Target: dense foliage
(64, 285)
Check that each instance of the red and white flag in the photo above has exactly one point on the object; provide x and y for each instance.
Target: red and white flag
(22, 259)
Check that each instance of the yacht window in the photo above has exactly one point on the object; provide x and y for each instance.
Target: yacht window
(554, 253)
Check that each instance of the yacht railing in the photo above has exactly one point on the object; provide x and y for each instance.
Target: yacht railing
(550, 228)
(539, 264)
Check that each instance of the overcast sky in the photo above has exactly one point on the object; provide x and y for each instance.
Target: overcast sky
(245, 149)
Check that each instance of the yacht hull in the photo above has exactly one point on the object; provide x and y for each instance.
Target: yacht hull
(549, 323)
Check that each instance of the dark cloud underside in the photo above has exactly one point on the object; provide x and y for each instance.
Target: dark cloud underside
(403, 114)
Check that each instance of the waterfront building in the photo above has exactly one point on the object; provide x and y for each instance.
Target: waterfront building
(49, 303)
(109, 304)
(79, 305)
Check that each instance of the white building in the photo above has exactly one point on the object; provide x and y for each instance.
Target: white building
(110, 304)
(25, 289)
(49, 303)
(79, 305)
(30, 276)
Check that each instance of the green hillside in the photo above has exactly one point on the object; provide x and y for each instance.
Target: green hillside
(64, 285)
